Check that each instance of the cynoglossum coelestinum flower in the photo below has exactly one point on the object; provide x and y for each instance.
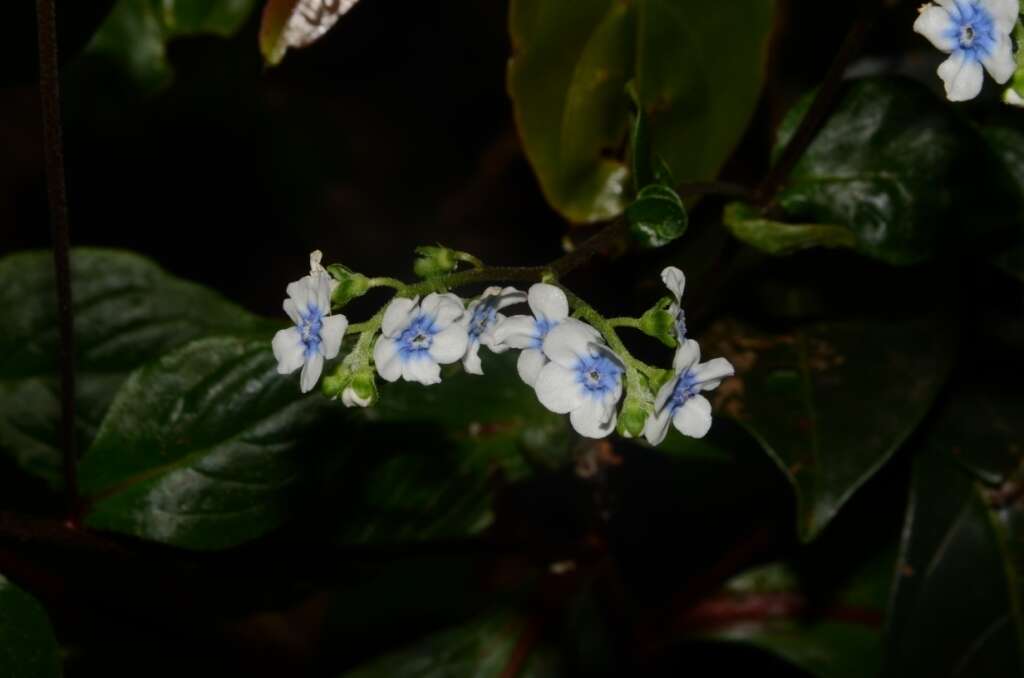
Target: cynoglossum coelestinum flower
(976, 35)
(680, 401)
(583, 378)
(481, 318)
(675, 281)
(418, 337)
(550, 307)
(316, 335)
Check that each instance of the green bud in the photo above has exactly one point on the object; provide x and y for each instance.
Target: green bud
(333, 384)
(362, 390)
(350, 284)
(434, 261)
(634, 415)
(659, 323)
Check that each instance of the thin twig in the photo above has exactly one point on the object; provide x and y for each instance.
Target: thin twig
(823, 103)
(49, 93)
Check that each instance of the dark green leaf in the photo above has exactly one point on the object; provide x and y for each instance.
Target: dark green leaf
(28, 648)
(697, 74)
(840, 639)
(1008, 144)
(657, 217)
(775, 237)
(127, 312)
(136, 33)
(956, 608)
(482, 648)
(798, 393)
(438, 453)
(875, 167)
(201, 448)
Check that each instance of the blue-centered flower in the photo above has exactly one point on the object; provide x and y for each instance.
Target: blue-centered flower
(481, 318)
(976, 35)
(316, 334)
(680, 402)
(417, 338)
(583, 378)
(550, 307)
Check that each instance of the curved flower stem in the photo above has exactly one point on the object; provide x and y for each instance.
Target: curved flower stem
(625, 322)
(387, 282)
(468, 258)
(368, 327)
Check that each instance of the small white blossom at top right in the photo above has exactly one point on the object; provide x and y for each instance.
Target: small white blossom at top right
(976, 34)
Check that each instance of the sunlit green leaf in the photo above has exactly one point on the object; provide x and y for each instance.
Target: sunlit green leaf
(697, 74)
(657, 217)
(775, 237)
(28, 648)
(127, 312)
(875, 167)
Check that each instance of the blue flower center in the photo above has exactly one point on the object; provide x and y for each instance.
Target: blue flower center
(681, 326)
(686, 388)
(541, 328)
(415, 341)
(973, 29)
(311, 322)
(597, 375)
(483, 315)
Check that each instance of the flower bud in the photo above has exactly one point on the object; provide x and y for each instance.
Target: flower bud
(361, 390)
(434, 261)
(634, 415)
(350, 284)
(334, 384)
(660, 323)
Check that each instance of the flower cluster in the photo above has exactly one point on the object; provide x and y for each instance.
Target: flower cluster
(569, 363)
(977, 36)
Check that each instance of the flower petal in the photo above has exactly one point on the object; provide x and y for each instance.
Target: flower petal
(1004, 12)
(530, 363)
(557, 389)
(422, 370)
(694, 417)
(350, 398)
(936, 24)
(321, 286)
(656, 427)
(386, 358)
(398, 315)
(450, 344)
(711, 373)
(686, 356)
(1000, 63)
(289, 350)
(471, 361)
(675, 281)
(510, 296)
(518, 331)
(593, 419)
(665, 392)
(548, 302)
(292, 310)
(569, 341)
(331, 334)
(301, 292)
(962, 76)
(311, 372)
(444, 309)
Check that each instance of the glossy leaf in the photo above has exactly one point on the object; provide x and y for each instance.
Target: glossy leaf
(799, 391)
(956, 607)
(657, 217)
(839, 638)
(136, 33)
(127, 312)
(202, 448)
(439, 453)
(875, 165)
(297, 23)
(697, 75)
(28, 648)
(482, 648)
(1008, 143)
(775, 237)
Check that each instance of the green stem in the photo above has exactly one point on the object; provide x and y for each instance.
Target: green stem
(468, 258)
(387, 282)
(625, 322)
(368, 327)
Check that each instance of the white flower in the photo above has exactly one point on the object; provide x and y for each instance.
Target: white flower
(315, 268)
(679, 401)
(316, 335)
(583, 378)
(550, 307)
(482, 318)
(417, 338)
(974, 33)
(675, 281)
